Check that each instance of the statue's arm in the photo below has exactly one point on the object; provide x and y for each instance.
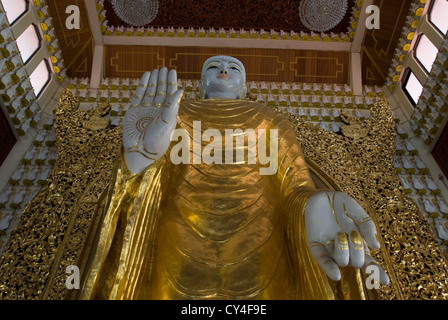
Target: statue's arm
(337, 230)
(151, 119)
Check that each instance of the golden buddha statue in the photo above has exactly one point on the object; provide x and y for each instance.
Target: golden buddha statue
(196, 220)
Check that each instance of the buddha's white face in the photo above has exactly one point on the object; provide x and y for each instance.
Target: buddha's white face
(223, 78)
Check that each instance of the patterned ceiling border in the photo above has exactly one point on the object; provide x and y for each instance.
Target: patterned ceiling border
(222, 33)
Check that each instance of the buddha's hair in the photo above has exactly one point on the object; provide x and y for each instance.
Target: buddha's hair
(226, 58)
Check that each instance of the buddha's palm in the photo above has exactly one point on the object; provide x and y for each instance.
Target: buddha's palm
(151, 119)
(339, 233)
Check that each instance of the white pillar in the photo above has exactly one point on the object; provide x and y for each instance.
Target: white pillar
(356, 73)
(97, 67)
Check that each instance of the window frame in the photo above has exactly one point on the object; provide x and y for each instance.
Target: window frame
(27, 9)
(40, 39)
(50, 76)
(407, 74)
(414, 52)
(431, 7)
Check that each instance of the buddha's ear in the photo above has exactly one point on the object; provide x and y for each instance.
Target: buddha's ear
(243, 92)
(201, 90)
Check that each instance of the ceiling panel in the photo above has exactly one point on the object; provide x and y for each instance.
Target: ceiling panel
(261, 64)
(77, 44)
(379, 45)
(259, 14)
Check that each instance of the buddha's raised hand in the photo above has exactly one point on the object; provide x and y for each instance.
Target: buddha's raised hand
(151, 119)
(339, 233)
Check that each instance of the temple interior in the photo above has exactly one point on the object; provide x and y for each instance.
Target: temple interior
(399, 53)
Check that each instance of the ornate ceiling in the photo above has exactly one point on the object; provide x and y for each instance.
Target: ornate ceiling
(123, 55)
(249, 14)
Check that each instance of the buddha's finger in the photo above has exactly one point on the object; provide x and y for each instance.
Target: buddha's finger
(362, 220)
(171, 108)
(141, 89)
(367, 228)
(356, 246)
(161, 86)
(172, 83)
(150, 93)
(325, 261)
(341, 253)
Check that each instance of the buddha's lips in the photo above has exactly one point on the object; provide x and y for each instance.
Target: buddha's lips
(223, 76)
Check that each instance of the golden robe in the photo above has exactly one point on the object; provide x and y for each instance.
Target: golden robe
(218, 231)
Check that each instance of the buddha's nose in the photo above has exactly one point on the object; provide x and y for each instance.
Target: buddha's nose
(224, 70)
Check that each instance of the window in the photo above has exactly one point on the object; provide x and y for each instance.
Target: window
(14, 9)
(412, 87)
(40, 77)
(28, 42)
(438, 15)
(425, 52)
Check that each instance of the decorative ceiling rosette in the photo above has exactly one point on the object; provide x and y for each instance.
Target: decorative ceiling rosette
(322, 15)
(136, 12)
